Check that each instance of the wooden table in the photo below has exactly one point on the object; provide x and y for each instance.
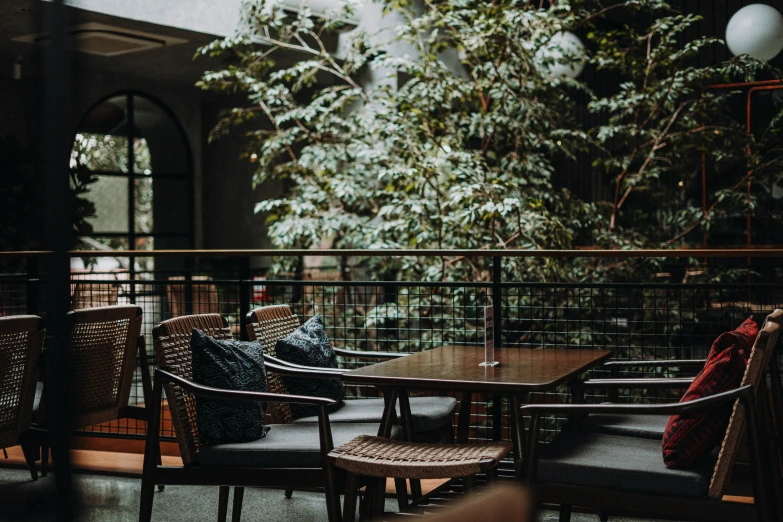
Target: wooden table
(456, 369)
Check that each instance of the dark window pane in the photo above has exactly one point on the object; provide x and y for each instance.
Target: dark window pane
(109, 194)
(167, 148)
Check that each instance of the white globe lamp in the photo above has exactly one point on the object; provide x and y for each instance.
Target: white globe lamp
(756, 30)
(563, 54)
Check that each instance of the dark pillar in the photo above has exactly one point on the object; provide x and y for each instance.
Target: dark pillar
(59, 239)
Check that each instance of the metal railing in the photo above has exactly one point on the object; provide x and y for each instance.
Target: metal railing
(638, 320)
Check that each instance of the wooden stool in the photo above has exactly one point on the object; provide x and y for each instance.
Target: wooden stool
(377, 458)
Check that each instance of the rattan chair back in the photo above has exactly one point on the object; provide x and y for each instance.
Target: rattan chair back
(760, 357)
(21, 341)
(203, 296)
(267, 325)
(172, 349)
(102, 345)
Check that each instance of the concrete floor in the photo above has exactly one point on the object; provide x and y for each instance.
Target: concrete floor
(116, 499)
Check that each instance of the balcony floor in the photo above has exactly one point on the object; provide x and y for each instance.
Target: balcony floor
(116, 499)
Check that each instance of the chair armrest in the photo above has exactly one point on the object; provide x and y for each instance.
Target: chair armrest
(654, 364)
(744, 394)
(627, 384)
(152, 447)
(297, 370)
(362, 354)
(641, 409)
(237, 395)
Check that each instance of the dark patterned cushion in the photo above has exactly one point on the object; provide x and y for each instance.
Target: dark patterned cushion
(689, 438)
(230, 365)
(308, 346)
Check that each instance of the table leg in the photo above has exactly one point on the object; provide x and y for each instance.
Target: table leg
(518, 432)
(389, 413)
(401, 485)
(410, 435)
(379, 502)
(405, 413)
(463, 421)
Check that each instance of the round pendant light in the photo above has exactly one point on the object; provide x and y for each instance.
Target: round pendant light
(756, 30)
(563, 55)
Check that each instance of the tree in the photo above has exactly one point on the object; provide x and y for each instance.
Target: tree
(446, 160)
(460, 152)
(461, 155)
(659, 124)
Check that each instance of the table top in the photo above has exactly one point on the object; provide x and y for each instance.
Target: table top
(456, 368)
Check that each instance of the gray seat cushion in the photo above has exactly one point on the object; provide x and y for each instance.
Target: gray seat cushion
(620, 463)
(294, 445)
(429, 413)
(646, 426)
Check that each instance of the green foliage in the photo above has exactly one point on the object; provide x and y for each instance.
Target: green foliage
(450, 153)
(660, 122)
(453, 157)
(457, 146)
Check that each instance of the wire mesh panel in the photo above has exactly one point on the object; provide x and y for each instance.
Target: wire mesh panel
(635, 321)
(645, 320)
(15, 295)
(387, 316)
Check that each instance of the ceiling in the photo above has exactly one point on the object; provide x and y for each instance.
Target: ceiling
(172, 63)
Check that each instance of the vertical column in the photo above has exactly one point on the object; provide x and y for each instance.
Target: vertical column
(131, 177)
(129, 105)
(59, 240)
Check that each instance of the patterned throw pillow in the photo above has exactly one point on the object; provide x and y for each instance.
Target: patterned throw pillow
(690, 437)
(308, 346)
(230, 365)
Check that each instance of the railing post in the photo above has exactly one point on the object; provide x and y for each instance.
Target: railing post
(497, 305)
(132, 277)
(33, 286)
(189, 264)
(497, 302)
(245, 286)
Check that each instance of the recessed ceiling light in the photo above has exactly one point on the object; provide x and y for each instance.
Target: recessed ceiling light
(106, 40)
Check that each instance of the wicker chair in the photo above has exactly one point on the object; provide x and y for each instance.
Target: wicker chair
(204, 297)
(432, 416)
(625, 473)
(291, 455)
(21, 342)
(379, 458)
(102, 353)
(653, 426)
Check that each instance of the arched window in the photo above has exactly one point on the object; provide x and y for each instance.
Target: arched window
(141, 175)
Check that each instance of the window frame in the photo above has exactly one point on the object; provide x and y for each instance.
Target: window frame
(187, 176)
